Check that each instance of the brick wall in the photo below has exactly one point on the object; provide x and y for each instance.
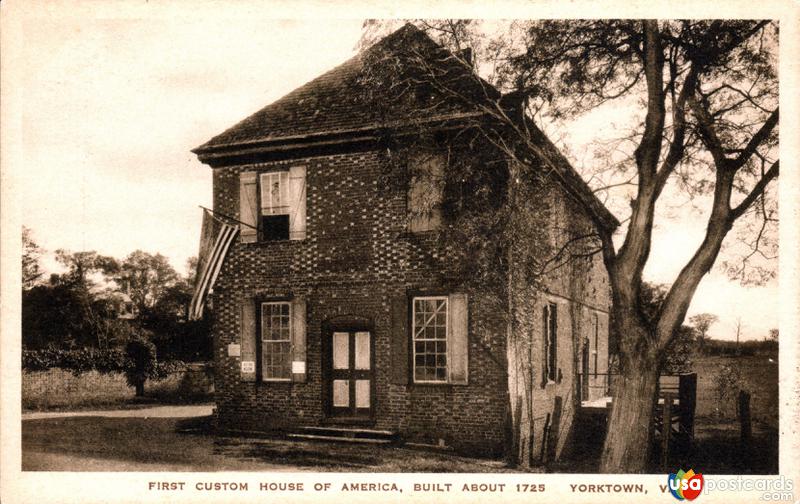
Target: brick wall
(357, 257)
(580, 290)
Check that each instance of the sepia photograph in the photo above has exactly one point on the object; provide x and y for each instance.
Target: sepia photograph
(508, 248)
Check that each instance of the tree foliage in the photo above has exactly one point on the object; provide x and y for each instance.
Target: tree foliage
(31, 271)
(702, 322)
(146, 278)
(703, 114)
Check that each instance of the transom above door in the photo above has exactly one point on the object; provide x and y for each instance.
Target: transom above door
(350, 387)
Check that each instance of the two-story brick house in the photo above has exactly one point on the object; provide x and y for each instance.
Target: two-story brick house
(334, 305)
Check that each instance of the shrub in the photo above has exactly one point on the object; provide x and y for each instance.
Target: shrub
(142, 356)
(727, 384)
(78, 360)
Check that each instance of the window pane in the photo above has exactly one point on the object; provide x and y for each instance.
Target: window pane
(275, 337)
(362, 393)
(341, 393)
(430, 339)
(341, 348)
(274, 193)
(362, 350)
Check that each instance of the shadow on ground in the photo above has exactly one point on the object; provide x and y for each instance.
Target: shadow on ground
(84, 443)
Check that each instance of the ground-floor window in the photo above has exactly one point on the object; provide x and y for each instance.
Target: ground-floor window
(429, 325)
(276, 333)
(550, 316)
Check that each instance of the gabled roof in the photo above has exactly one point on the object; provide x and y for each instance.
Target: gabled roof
(334, 105)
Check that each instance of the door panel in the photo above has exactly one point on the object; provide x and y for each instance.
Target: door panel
(341, 350)
(362, 351)
(341, 393)
(362, 393)
(350, 387)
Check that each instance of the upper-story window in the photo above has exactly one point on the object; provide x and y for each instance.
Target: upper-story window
(275, 209)
(272, 205)
(425, 190)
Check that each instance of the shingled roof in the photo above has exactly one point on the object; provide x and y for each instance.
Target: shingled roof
(335, 104)
(332, 103)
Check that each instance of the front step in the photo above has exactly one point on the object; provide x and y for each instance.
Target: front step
(344, 434)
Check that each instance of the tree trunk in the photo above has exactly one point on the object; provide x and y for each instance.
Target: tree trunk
(140, 388)
(627, 444)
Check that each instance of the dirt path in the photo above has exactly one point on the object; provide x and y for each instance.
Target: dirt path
(169, 411)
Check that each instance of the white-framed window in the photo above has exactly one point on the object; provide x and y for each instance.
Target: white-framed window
(550, 316)
(275, 206)
(276, 337)
(272, 205)
(430, 318)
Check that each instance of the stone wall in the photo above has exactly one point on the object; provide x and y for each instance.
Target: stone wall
(58, 388)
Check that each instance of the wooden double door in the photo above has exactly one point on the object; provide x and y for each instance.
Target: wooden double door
(350, 384)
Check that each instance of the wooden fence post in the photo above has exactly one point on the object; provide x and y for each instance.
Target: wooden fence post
(687, 397)
(744, 420)
(666, 429)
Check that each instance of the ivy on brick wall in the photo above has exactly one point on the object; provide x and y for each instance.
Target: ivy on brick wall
(90, 359)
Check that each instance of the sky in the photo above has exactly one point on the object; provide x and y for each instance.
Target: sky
(113, 105)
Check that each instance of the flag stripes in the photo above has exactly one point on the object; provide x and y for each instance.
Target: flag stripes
(207, 272)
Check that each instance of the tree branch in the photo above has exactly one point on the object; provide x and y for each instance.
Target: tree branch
(757, 191)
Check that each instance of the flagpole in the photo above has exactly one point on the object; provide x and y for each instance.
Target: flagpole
(228, 217)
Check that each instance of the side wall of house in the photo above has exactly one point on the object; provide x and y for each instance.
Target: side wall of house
(356, 259)
(579, 289)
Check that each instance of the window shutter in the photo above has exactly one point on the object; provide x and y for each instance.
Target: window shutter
(299, 340)
(425, 192)
(248, 207)
(400, 340)
(248, 341)
(545, 341)
(458, 340)
(297, 198)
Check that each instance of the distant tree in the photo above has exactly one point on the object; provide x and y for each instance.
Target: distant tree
(678, 356)
(80, 265)
(702, 322)
(174, 335)
(773, 335)
(31, 271)
(65, 313)
(145, 277)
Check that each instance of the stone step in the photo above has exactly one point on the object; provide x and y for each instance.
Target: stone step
(335, 432)
(340, 439)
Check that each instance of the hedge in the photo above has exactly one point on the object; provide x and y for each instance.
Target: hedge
(82, 360)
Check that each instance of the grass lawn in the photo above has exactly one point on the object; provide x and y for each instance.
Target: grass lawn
(174, 444)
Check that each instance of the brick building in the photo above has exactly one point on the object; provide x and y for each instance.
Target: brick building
(336, 304)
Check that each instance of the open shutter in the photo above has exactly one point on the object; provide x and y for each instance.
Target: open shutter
(248, 336)
(400, 340)
(458, 340)
(248, 207)
(297, 198)
(299, 340)
(545, 341)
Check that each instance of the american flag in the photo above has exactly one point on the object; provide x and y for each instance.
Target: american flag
(210, 260)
